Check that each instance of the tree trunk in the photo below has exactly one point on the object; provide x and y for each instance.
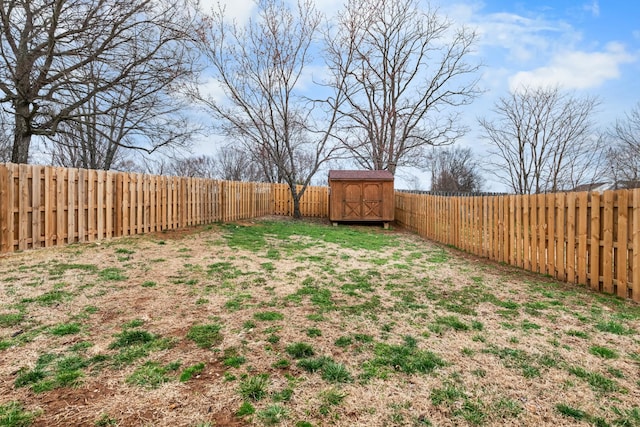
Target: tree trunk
(22, 135)
(296, 208)
(295, 196)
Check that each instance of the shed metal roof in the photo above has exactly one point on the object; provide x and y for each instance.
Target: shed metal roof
(361, 175)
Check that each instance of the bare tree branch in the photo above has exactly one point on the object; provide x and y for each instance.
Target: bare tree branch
(454, 169)
(406, 71)
(259, 67)
(542, 140)
(623, 156)
(46, 47)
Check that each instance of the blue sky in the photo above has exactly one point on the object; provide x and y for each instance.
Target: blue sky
(588, 46)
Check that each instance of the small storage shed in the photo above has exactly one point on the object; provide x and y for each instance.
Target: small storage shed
(361, 195)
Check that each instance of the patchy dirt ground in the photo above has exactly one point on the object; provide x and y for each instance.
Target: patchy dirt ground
(401, 331)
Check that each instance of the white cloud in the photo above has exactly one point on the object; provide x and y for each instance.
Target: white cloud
(239, 10)
(593, 8)
(242, 10)
(210, 88)
(576, 69)
(524, 38)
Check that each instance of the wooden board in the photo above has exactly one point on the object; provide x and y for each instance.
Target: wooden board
(635, 281)
(594, 249)
(571, 238)
(607, 244)
(622, 245)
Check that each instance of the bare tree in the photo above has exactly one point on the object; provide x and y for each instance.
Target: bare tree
(140, 113)
(406, 71)
(233, 164)
(454, 169)
(623, 157)
(542, 140)
(194, 167)
(46, 47)
(260, 68)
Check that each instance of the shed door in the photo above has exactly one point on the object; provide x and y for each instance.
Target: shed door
(372, 202)
(362, 200)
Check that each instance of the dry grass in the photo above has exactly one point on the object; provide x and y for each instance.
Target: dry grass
(404, 332)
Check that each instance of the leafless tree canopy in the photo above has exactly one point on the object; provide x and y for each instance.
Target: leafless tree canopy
(406, 69)
(542, 140)
(259, 67)
(454, 169)
(193, 167)
(139, 114)
(233, 164)
(58, 55)
(623, 157)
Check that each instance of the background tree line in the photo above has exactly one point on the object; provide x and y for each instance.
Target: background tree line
(104, 84)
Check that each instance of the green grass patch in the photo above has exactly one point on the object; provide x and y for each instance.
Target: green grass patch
(330, 398)
(245, 409)
(319, 296)
(576, 333)
(205, 336)
(314, 332)
(191, 371)
(224, 270)
(604, 352)
(65, 329)
(456, 399)
(13, 414)
(405, 358)
(613, 327)
(343, 342)
(597, 381)
(452, 322)
(300, 350)
(269, 316)
(254, 387)
(53, 371)
(132, 337)
(112, 274)
(335, 372)
(51, 298)
(237, 302)
(8, 320)
(151, 375)
(234, 361)
(571, 412)
(272, 415)
(313, 364)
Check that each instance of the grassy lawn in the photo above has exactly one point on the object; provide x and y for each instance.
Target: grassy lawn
(278, 322)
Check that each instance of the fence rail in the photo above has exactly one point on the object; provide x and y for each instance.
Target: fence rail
(587, 238)
(42, 206)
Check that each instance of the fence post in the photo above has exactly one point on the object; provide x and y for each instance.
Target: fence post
(636, 246)
(607, 250)
(6, 205)
(621, 261)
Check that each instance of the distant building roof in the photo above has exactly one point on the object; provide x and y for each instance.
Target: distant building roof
(594, 186)
(604, 186)
(360, 175)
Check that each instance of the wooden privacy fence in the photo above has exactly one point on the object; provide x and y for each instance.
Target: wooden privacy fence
(43, 206)
(587, 238)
